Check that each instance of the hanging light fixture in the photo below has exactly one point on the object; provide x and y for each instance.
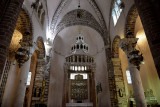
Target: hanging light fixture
(79, 12)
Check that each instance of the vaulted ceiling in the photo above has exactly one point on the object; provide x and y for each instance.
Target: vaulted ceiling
(59, 9)
(100, 9)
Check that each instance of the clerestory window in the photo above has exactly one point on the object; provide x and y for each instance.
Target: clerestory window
(116, 11)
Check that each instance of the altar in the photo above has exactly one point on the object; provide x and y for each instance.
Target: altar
(79, 104)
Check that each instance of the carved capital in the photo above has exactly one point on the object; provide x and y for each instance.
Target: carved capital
(128, 44)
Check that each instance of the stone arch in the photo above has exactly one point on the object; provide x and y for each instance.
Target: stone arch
(23, 26)
(29, 15)
(39, 73)
(115, 47)
(116, 73)
(70, 19)
(23, 30)
(64, 3)
(24, 22)
(131, 20)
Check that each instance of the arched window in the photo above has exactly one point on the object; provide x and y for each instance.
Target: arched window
(128, 77)
(116, 11)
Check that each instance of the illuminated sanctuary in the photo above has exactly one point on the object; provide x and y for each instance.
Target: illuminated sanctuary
(111, 61)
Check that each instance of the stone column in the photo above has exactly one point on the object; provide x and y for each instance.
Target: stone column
(137, 86)
(93, 89)
(21, 87)
(8, 22)
(150, 17)
(11, 84)
(15, 92)
(68, 88)
(128, 45)
(65, 94)
(88, 86)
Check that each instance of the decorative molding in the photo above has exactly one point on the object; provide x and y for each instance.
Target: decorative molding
(98, 13)
(57, 13)
(96, 9)
(70, 19)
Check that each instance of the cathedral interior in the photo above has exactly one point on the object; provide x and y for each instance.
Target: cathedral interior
(79, 53)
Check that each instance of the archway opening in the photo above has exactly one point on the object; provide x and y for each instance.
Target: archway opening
(62, 48)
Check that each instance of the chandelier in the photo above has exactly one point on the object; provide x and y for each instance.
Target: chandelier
(22, 54)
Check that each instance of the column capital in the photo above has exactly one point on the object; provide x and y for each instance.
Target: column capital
(128, 44)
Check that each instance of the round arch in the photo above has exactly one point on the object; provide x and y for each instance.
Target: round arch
(131, 20)
(115, 47)
(24, 23)
(71, 19)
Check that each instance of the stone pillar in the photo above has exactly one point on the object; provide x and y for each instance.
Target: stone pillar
(65, 89)
(11, 84)
(119, 83)
(128, 45)
(17, 80)
(21, 87)
(149, 14)
(88, 86)
(92, 90)
(137, 86)
(8, 22)
(68, 89)
(38, 82)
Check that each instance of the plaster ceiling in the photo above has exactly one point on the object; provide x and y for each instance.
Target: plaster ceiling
(65, 39)
(57, 9)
